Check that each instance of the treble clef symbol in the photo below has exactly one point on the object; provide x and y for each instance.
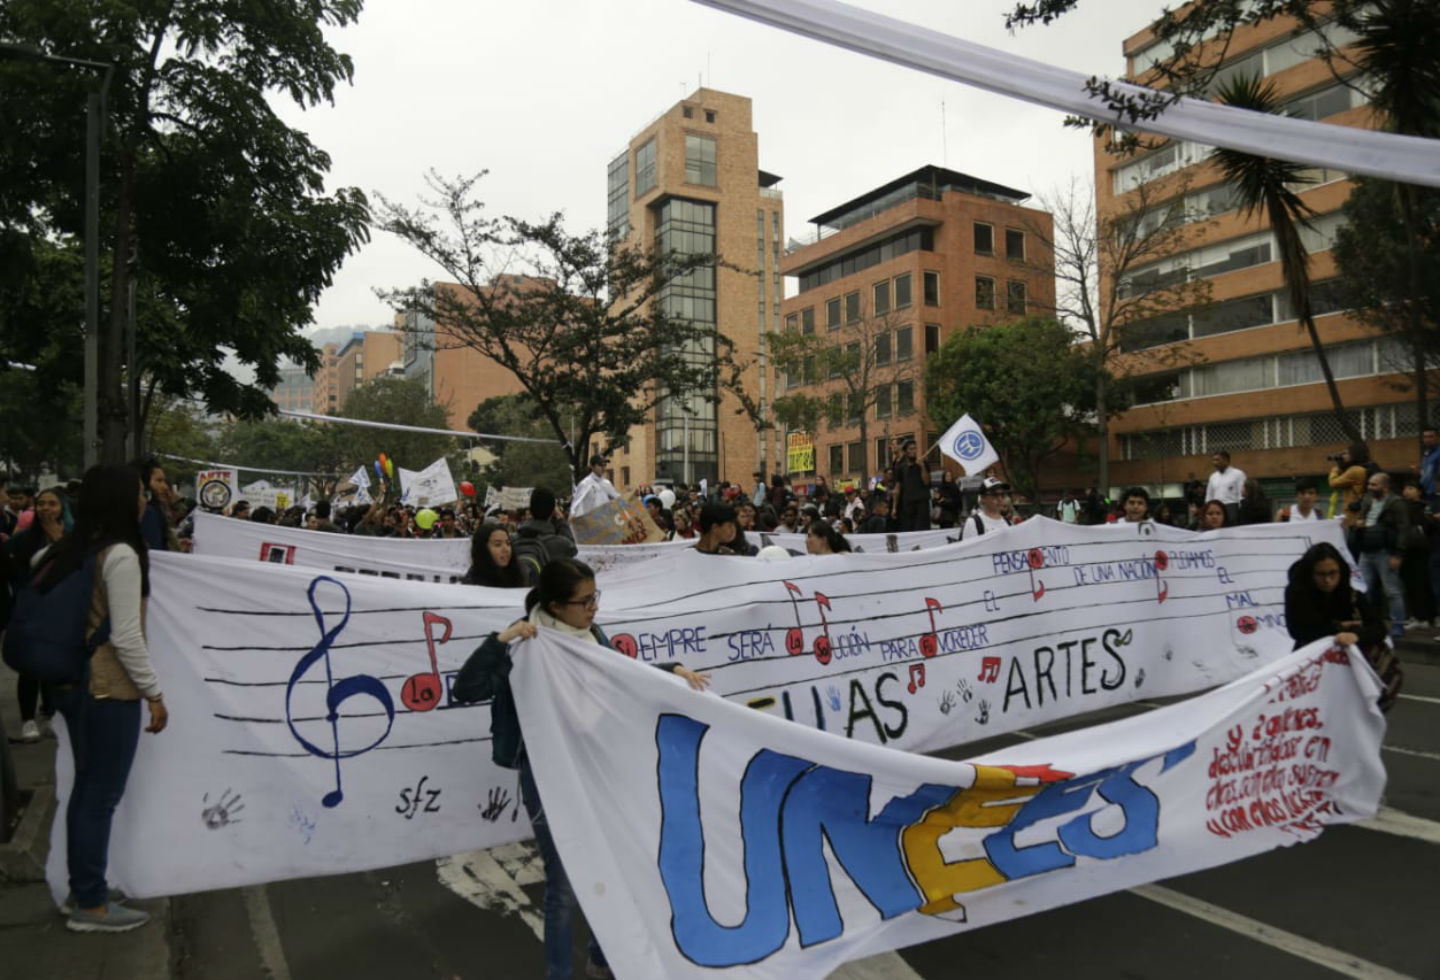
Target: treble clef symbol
(337, 692)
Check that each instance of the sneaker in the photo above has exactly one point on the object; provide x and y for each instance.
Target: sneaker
(30, 732)
(1414, 624)
(115, 918)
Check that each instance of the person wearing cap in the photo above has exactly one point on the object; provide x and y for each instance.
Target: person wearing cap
(989, 517)
(912, 483)
(594, 491)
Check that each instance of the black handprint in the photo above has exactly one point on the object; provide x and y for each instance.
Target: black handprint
(947, 701)
(498, 800)
(983, 717)
(221, 814)
(964, 688)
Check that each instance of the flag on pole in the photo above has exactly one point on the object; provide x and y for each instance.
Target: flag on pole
(965, 443)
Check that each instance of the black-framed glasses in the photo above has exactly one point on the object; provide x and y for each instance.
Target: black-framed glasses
(591, 601)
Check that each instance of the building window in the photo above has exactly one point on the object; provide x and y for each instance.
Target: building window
(1015, 244)
(882, 349)
(645, 168)
(807, 321)
(856, 407)
(835, 410)
(624, 481)
(902, 291)
(832, 314)
(849, 263)
(904, 343)
(932, 338)
(905, 397)
(837, 459)
(710, 115)
(792, 323)
(700, 160)
(687, 112)
(808, 367)
(852, 307)
(984, 293)
(932, 289)
(856, 452)
(882, 297)
(618, 198)
(1015, 296)
(984, 239)
(882, 405)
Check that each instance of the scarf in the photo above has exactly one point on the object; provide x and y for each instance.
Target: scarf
(542, 618)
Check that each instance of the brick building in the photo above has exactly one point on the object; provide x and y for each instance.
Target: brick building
(368, 354)
(900, 269)
(458, 377)
(1253, 386)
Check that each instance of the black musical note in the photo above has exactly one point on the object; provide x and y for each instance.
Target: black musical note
(337, 692)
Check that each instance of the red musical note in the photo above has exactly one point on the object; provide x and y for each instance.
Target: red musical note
(822, 642)
(930, 643)
(421, 692)
(795, 636)
(625, 643)
(1162, 562)
(990, 670)
(1036, 560)
(917, 677)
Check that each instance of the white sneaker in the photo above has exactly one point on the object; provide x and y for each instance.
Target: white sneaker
(30, 732)
(1414, 624)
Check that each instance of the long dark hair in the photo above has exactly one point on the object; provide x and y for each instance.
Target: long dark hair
(833, 539)
(105, 515)
(483, 570)
(1302, 573)
(558, 581)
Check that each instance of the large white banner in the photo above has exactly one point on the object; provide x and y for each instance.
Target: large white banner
(707, 841)
(429, 487)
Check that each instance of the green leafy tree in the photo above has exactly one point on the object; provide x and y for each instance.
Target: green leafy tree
(213, 208)
(520, 464)
(180, 429)
(1027, 382)
(585, 329)
(402, 401)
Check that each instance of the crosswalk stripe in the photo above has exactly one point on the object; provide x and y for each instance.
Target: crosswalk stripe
(1390, 821)
(1415, 752)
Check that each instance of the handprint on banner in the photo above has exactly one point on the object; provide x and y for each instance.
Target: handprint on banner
(496, 804)
(221, 813)
(832, 695)
(963, 687)
(947, 702)
(982, 716)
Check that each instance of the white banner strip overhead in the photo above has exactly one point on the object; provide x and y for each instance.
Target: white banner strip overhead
(704, 840)
(1410, 159)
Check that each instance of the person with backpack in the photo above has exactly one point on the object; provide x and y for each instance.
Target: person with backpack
(543, 538)
(989, 517)
(565, 600)
(102, 708)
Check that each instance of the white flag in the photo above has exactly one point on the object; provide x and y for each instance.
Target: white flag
(966, 444)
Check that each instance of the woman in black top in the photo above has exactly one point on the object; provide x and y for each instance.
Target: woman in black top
(492, 562)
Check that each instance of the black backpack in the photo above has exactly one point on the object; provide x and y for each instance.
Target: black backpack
(46, 635)
(530, 555)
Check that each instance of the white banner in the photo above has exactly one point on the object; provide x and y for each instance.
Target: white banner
(430, 487)
(694, 832)
(966, 444)
(262, 493)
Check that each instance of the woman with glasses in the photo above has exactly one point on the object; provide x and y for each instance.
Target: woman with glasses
(564, 600)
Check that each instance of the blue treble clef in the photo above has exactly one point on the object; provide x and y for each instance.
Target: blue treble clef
(338, 692)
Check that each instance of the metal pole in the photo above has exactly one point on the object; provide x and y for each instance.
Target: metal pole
(93, 111)
(135, 436)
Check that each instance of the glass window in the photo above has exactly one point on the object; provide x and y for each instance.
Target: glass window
(856, 406)
(856, 452)
(984, 293)
(618, 198)
(932, 289)
(932, 338)
(808, 375)
(1015, 296)
(807, 320)
(922, 239)
(710, 115)
(1014, 244)
(984, 239)
(905, 397)
(852, 307)
(1233, 314)
(645, 168)
(882, 453)
(832, 314)
(837, 460)
(700, 160)
(882, 349)
(792, 323)
(902, 291)
(904, 343)
(882, 297)
(835, 410)
(882, 404)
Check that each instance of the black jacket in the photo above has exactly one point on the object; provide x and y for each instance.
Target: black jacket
(1312, 615)
(1389, 534)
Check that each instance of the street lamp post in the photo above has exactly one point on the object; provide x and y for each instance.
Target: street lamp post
(94, 124)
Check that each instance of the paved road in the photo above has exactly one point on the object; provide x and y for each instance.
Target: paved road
(1360, 902)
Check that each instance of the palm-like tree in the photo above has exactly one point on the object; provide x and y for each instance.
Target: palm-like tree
(1265, 184)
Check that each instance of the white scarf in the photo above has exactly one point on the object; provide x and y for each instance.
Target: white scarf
(540, 617)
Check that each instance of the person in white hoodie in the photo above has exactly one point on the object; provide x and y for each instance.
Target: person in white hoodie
(594, 491)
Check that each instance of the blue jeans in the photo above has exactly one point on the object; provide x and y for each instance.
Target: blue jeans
(559, 896)
(1375, 566)
(103, 737)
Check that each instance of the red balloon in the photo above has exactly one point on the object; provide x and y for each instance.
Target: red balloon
(467, 488)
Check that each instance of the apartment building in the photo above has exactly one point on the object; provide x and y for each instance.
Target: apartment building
(898, 270)
(298, 392)
(690, 181)
(368, 354)
(1249, 382)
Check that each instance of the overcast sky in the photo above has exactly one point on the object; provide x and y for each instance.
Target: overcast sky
(544, 93)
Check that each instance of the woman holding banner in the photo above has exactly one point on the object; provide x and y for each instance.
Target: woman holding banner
(565, 600)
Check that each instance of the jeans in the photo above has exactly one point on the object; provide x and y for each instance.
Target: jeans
(1375, 566)
(559, 896)
(104, 734)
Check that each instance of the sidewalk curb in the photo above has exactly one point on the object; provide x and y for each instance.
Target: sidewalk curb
(22, 859)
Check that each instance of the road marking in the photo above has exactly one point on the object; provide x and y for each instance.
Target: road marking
(481, 880)
(1307, 949)
(1414, 752)
(1389, 821)
(1418, 697)
(267, 934)
(885, 966)
(521, 862)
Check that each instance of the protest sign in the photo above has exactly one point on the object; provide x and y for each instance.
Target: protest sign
(429, 487)
(262, 493)
(694, 832)
(353, 490)
(619, 521)
(217, 489)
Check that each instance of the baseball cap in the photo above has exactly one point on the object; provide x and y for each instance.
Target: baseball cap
(992, 485)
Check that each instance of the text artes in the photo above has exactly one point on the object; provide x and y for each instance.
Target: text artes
(1066, 669)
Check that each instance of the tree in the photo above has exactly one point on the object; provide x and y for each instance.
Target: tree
(1112, 292)
(520, 464)
(212, 207)
(590, 327)
(1264, 184)
(403, 401)
(1028, 382)
(849, 371)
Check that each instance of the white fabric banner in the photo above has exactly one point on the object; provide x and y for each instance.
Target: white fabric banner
(694, 832)
(966, 444)
(1390, 156)
(262, 493)
(429, 487)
